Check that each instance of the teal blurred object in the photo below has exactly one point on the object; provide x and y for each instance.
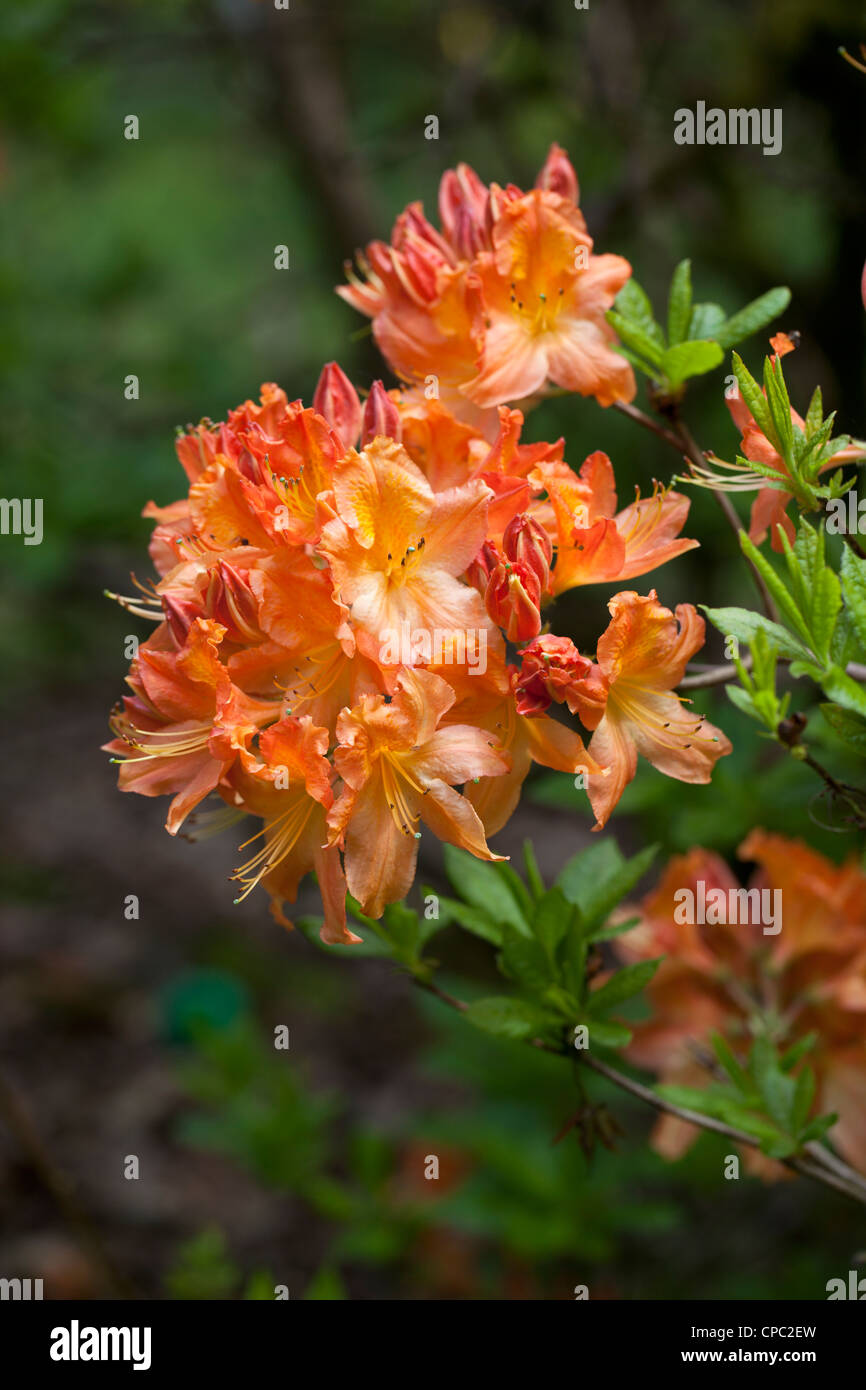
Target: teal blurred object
(200, 999)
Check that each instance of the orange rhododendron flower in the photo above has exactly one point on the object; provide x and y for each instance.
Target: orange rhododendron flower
(398, 766)
(186, 724)
(507, 297)
(628, 699)
(595, 544)
(805, 976)
(289, 786)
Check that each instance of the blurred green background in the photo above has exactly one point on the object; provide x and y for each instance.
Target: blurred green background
(156, 257)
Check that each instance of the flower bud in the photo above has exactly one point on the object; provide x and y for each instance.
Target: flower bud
(557, 174)
(526, 540)
(381, 416)
(481, 568)
(512, 598)
(550, 669)
(337, 400)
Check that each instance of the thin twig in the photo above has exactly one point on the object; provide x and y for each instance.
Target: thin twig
(815, 1163)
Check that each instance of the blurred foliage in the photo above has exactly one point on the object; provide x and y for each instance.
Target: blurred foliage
(518, 1210)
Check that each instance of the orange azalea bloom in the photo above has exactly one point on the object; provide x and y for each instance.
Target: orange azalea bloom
(186, 724)
(289, 786)
(490, 702)
(399, 764)
(595, 543)
(628, 701)
(807, 977)
(395, 551)
(506, 298)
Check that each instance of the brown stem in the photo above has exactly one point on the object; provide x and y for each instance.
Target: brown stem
(720, 675)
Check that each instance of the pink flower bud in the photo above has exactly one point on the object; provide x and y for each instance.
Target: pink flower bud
(381, 416)
(483, 566)
(557, 174)
(526, 540)
(337, 400)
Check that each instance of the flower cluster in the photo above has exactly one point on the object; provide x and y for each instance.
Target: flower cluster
(507, 296)
(337, 590)
(807, 977)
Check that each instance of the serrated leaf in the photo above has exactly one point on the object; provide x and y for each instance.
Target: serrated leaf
(753, 317)
(680, 303)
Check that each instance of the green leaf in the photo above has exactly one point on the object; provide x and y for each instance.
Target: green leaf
(854, 591)
(472, 919)
(477, 883)
(533, 876)
(727, 1060)
(744, 625)
(842, 688)
(850, 727)
(526, 961)
(786, 603)
(506, 1017)
(753, 317)
(706, 320)
(635, 337)
(804, 1096)
(776, 1087)
(550, 920)
(691, 358)
(754, 398)
(634, 303)
(604, 1032)
(598, 878)
(622, 985)
(680, 303)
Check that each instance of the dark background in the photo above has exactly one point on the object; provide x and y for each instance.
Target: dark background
(155, 257)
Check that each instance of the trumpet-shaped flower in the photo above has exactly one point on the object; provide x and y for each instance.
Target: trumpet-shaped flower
(288, 784)
(399, 765)
(627, 699)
